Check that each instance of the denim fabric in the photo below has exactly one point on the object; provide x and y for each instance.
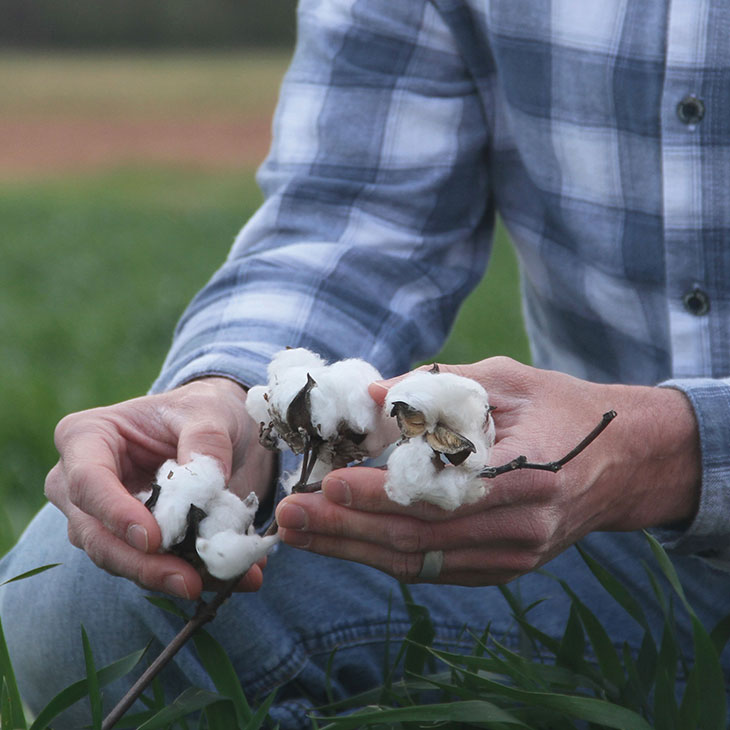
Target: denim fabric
(310, 606)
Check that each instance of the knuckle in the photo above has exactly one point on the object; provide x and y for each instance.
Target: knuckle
(525, 562)
(539, 530)
(405, 536)
(77, 483)
(74, 536)
(405, 567)
(52, 485)
(63, 428)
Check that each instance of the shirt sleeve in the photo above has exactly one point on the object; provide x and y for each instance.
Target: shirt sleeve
(377, 217)
(707, 535)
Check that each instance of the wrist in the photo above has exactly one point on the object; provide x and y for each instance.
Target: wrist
(658, 460)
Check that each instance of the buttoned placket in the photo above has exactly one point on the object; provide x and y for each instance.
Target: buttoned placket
(683, 112)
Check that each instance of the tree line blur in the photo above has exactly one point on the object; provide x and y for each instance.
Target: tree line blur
(141, 24)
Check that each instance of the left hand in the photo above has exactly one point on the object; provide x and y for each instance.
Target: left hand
(643, 471)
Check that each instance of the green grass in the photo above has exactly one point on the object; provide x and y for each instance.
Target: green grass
(97, 269)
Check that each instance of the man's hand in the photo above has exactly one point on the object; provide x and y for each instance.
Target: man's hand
(108, 454)
(643, 471)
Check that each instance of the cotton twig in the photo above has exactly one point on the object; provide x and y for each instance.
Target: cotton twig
(521, 462)
(204, 613)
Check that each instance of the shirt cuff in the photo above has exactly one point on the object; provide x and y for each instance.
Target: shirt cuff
(708, 534)
(244, 368)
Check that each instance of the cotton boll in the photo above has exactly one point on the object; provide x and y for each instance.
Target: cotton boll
(341, 396)
(196, 482)
(228, 554)
(228, 512)
(286, 361)
(414, 475)
(460, 403)
(410, 471)
(257, 404)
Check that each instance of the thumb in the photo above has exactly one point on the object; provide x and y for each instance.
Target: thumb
(207, 439)
(379, 389)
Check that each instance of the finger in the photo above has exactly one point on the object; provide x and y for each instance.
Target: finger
(363, 488)
(158, 572)
(504, 528)
(379, 389)
(460, 567)
(207, 437)
(86, 478)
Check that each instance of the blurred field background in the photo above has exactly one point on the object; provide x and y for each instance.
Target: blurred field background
(124, 176)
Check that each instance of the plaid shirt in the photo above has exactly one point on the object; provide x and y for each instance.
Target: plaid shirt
(598, 129)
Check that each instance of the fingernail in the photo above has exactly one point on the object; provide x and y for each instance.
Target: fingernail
(292, 516)
(137, 538)
(175, 585)
(337, 491)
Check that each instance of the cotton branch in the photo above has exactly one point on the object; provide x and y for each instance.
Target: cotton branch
(204, 613)
(521, 462)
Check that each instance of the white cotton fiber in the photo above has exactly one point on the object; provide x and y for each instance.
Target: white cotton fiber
(339, 404)
(413, 476)
(257, 405)
(454, 409)
(341, 396)
(197, 482)
(458, 402)
(290, 361)
(229, 553)
(228, 512)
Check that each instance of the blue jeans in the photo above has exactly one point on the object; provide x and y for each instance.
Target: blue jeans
(283, 636)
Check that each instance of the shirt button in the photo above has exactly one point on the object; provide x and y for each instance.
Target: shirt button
(696, 302)
(691, 110)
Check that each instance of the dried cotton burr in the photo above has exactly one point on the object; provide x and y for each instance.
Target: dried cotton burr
(447, 434)
(201, 520)
(322, 412)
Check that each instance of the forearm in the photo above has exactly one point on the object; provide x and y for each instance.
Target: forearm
(375, 226)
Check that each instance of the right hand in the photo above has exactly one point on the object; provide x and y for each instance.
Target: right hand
(108, 454)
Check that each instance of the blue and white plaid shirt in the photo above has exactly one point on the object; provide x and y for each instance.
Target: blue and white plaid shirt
(600, 131)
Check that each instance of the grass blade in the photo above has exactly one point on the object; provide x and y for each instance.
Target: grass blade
(92, 682)
(475, 711)
(78, 690)
(713, 708)
(220, 669)
(615, 588)
(221, 716)
(589, 709)
(573, 645)
(721, 634)
(606, 654)
(262, 711)
(10, 686)
(168, 605)
(191, 700)
(420, 636)
(30, 573)
(666, 712)
(669, 571)
(6, 709)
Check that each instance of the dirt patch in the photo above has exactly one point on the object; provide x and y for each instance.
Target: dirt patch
(43, 147)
